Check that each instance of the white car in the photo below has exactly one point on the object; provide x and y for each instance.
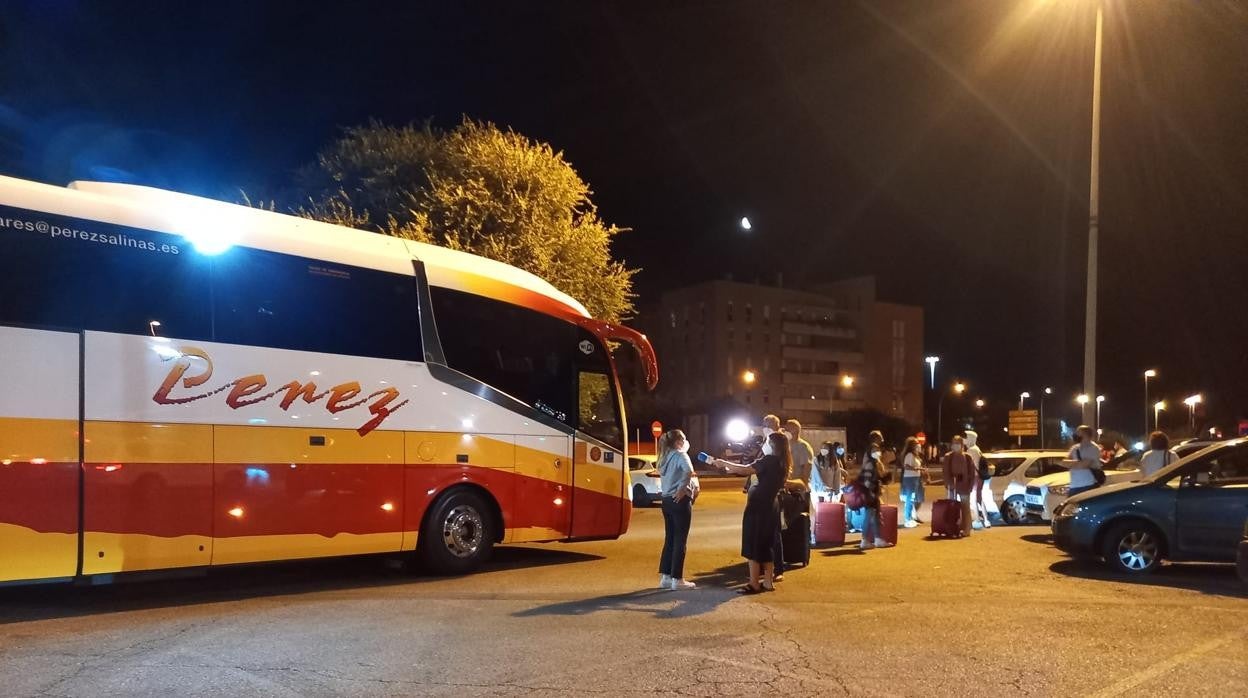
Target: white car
(1011, 471)
(1045, 493)
(644, 480)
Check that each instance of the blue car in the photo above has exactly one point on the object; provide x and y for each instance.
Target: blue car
(1193, 510)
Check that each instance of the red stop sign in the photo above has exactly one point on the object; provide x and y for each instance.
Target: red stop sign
(921, 438)
(656, 428)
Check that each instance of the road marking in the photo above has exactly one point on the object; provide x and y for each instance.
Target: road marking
(1136, 679)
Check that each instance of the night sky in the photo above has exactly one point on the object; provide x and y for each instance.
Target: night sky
(941, 146)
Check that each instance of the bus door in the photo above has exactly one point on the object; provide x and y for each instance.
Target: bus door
(39, 454)
(598, 509)
(543, 498)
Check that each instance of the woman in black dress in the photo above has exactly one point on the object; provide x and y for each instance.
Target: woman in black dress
(762, 514)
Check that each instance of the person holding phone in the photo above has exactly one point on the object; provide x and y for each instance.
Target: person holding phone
(677, 484)
(1085, 462)
(761, 517)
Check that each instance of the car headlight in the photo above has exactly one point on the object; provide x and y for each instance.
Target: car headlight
(1060, 490)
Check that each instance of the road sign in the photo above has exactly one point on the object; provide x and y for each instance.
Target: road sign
(921, 438)
(1024, 423)
(656, 428)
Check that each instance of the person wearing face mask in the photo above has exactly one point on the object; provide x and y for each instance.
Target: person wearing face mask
(959, 472)
(761, 518)
(911, 481)
(978, 507)
(677, 484)
(869, 484)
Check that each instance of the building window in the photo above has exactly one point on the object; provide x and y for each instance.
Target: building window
(673, 317)
(729, 311)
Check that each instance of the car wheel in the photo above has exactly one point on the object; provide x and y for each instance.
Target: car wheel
(1133, 547)
(640, 497)
(458, 535)
(1014, 511)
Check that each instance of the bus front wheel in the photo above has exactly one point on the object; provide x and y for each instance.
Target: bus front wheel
(458, 534)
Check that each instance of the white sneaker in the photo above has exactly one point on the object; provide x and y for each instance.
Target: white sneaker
(665, 581)
(987, 523)
(679, 584)
(881, 543)
(912, 524)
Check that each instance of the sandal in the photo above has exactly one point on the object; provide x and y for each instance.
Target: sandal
(748, 590)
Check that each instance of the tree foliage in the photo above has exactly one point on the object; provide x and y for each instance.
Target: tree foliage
(475, 188)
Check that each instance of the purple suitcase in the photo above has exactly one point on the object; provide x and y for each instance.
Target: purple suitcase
(946, 518)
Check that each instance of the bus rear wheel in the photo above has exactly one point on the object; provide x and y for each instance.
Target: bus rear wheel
(458, 534)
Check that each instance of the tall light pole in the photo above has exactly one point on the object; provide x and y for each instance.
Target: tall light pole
(931, 364)
(1150, 373)
(1021, 397)
(1157, 408)
(1099, 400)
(1094, 212)
(958, 388)
(1191, 402)
(1083, 407)
(1047, 392)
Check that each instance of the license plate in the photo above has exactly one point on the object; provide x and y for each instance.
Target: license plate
(1034, 499)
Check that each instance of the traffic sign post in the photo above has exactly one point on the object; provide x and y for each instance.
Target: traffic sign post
(656, 429)
(1024, 423)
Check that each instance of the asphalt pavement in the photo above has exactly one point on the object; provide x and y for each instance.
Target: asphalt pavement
(1002, 612)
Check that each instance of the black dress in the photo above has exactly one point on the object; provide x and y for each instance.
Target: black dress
(762, 514)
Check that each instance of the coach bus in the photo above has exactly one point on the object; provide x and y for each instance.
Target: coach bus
(186, 383)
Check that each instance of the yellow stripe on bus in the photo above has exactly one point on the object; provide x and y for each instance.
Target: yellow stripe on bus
(27, 554)
(446, 448)
(264, 444)
(23, 440)
(297, 546)
(128, 552)
(140, 442)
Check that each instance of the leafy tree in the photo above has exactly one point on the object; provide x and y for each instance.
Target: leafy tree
(474, 188)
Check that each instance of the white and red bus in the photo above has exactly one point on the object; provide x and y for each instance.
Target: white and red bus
(189, 383)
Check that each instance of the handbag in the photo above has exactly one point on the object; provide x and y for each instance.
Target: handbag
(853, 498)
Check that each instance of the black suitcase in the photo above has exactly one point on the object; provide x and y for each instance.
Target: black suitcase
(796, 540)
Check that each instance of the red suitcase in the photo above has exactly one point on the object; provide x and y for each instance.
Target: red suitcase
(888, 523)
(946, 518)
(829, 523)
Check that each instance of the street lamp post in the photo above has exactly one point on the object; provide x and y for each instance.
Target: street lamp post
(1191, 402)
(1099, 400)
(1083, 407)
(958, 388)
(931, 365)
(1150, 373)
(1047, 392)
(1157, 408)
(1094, 211)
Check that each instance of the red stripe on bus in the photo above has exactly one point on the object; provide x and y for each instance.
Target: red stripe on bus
(40, 496)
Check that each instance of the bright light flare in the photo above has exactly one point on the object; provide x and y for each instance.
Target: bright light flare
(236, 512)
(737, 430)
(746, 224)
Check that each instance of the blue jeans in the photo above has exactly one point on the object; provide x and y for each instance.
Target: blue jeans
(677, 517)
(911, 494)
(871, 527)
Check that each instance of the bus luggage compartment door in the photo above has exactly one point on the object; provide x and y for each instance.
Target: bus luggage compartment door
(39, 454)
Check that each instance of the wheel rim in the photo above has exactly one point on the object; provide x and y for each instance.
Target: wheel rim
(1017, 510)
(1137, 550)
(462, 531)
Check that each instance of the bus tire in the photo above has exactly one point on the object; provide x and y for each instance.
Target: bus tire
(457, 536)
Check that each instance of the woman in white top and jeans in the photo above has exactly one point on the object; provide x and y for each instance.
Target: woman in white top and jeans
(1084, 458)
(676, 483)
(911, 481)
(1159, 455)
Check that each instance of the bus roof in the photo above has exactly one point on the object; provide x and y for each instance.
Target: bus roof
(198, 218)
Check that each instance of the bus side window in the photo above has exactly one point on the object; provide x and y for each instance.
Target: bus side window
(524, 353)
(103, 277)
(597, 410)
(286, 302)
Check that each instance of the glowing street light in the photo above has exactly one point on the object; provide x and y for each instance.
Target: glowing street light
(979, 404)
(1150, 373)
(1083, 406)
(748, 377)
(959, 387)
(1157, 408)
(151, 326)
(931, 364)
(1191, 402)
(745, 223)
(847, 381)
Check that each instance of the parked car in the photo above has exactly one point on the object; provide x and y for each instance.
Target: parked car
(1191, 510)
(1045, 493)
(644, 479)
(1011, 471)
